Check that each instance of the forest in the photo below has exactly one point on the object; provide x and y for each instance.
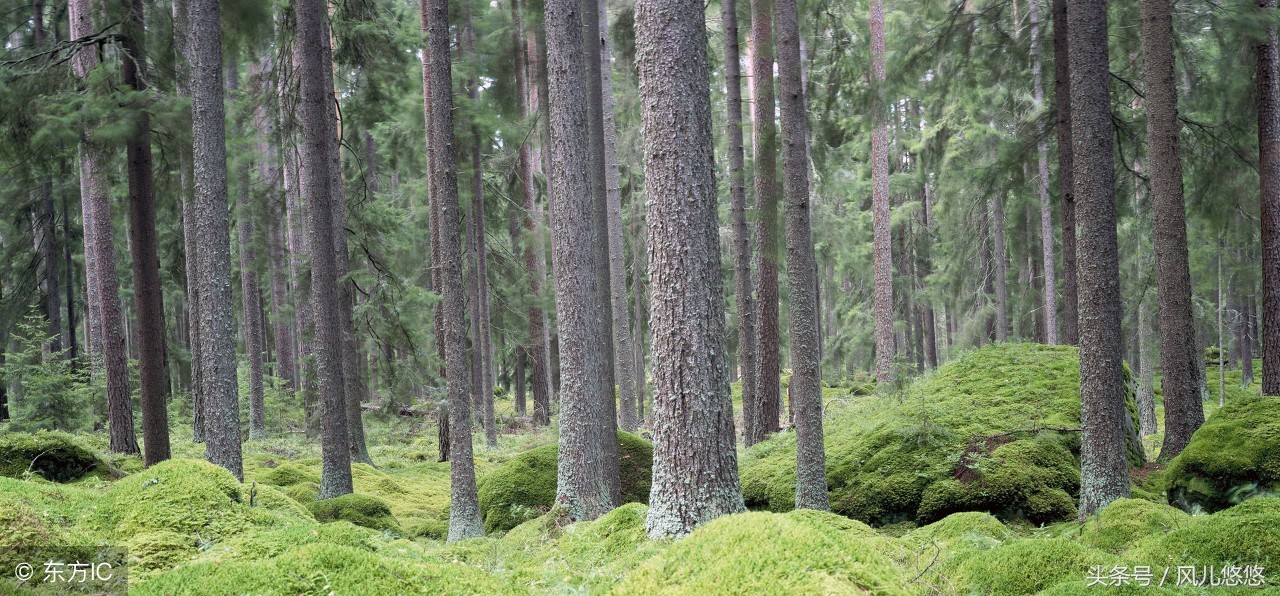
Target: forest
(639, 296)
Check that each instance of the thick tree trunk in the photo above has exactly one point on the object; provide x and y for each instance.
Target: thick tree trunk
(1066, 169)
(695, 468)
(1183, 412)
(315, 181)
(1104, 473)
(747, 353)
(250, 297)
(1269, 178)
(99, 257)
(764, 148)
(213, 240)
(464, 508)
(1050, 284)
(1001, 270)
(882, 238)
(802, 269)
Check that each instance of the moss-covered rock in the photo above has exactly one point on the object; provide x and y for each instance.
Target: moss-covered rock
(1126, 521)
(766, 553)
(1234, 455)
(524, 487)
(1028, 566)
(288, 474)
(55, 456)
(186, 496)
(361, 510)
(995, 430)
(1242, 535)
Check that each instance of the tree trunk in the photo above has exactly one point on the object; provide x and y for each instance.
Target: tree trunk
(183, 61)
(99, 247)
(1269, 179)
(315, 95)
(764, 147)
(1001, 270)
(695, 468)
(882, 241)
(44, 231)
(1104, 473)
(1183, 411)
(641, 308)
(1066, 169)
(73, 347)
(464, 508)
(1146, 375)
(250, 304)
(269, 171)
(1244, 341)
(1050, 283)
(747, 353)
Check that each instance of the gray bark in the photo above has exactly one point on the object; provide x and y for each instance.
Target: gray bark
(882, 236)
(1066, 184)
(1000, 253)
(1269, 181)
(1050, 284)
(250, 298)
(764, 141)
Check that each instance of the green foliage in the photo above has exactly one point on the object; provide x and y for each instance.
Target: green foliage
(766, 553)
(525, 487)
(1234, 455)
(51, 394)
(54, 456)
(361, 510)
(995, 430)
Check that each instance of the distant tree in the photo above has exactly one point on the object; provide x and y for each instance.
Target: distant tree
(1066, 170)
(764, 158)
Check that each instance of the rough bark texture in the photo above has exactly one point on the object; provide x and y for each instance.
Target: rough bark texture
(44, 232)
(1146, 374)
(250, 296)
(802, 269)
(882, 240)
(1269, 177)
(99, 257)
(182, 64)
(1066, 184)
(695, 468)
(299, 249)
(315, 178)
(1183, 412)
(1104, 473)
(747, 353)
(1000, 253)
(269, 172)
(585, 472)
(623, 347)
(213, 240)
(1050, 284)
(764, 147)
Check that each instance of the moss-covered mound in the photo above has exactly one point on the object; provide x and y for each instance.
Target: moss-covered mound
(361, 510)
(288, 474)
(1126, 521)
(525, 486)
(995, 430)
(1247, 534)
(1028, 566)
(1234, 455)
(55, 456)
(767, 553)
(187, 496)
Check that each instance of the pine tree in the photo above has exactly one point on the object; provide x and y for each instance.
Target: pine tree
(882, 250)
(1066, 168)
(1269, 180)
(764, 156)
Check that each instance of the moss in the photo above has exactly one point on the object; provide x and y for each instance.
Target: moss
(304, 493)
(185, 496)
(23, 528)
(272, 499)
(1028, 566)
(288, 474)
(267, 543)
(152, 552)
(361, 510)
(765, 553)
(1125, 521)
(993, 430)
(1235, 454)
(525, 486)
(55, 456)
(1243, 535)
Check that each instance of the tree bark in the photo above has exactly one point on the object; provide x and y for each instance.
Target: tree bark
(1146, 375)
(1104, 473)
(747, 353)
(882, 240)
(695, 471)
(464, 509)
(1183, 411)
(1066, 168)
(1269, 179)
(316, 180)
(250, 304)
(1000, 254)
(99, 247)
(1050, 283)
(269, 171)
(764, 147)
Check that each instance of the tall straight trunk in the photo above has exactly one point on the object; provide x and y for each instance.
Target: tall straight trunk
(1104, 473)
(444, 438)
(213, 240)
(73, 347)
(1146, 373)
(464, 508)
(315, 95)
(764, 148)
(802, 268)
(539, 348)
(481, 336)
(1050, 284)
(299, 260)
(882, 237)
(695, 468)
(250, 299)
(624, 359)
(99, 246)
(195, 347)
(1183, 411)
(44, 231)
(270, 173)
(1269, 179)
(1000, 253)
(1222, 338)
(585, 471)
(747, 354)
(640, 309)
(1244, 341)
(1066, 170)
(926, 266)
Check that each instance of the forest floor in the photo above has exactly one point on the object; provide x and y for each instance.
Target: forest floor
(954, 518)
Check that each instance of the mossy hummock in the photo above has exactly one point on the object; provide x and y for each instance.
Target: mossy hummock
(1233, 456)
